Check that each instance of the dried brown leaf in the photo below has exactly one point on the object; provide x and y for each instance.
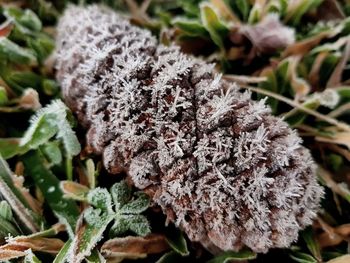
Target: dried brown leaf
(6, 28)
(342, 138)
(242, 79)
(304, 46)
(339, 189)
(18, 207)
(336, 77)
(17, 246)
(314, 75)
(132, 247)
(330, 10)
(74, 190)
(224, 11)
(30, 100)
(341, 259)
(269, 34)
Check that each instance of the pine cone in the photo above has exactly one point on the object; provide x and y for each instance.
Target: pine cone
(222, 168)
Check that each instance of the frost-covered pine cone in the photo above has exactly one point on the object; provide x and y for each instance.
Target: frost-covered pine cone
(221, 167)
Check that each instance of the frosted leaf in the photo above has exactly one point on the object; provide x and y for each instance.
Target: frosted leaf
(119, 227)
(100, 198)
(47, 122)
(121, 193)
(137, 206)
(269, 34)
(328, 98)
(30, 257)
(139, 225)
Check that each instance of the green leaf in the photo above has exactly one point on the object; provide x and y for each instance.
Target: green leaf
(10, 147)
(298, 117)
(272, 85)
(42, 46)
(302, 257)
(170, 257)
(52, 152)
(229, 256)
(90, 233)
(119, 227)
(31, 258)
(3, 96)
(50, 87)
(51, 120)
(190, 27)
(282, 77)
(139, 225)
(312, 243)
(295, 14)
(64, 253)
(65, 210)
(100, 198)
(14, 53)
(243, 8)
(137, 206)
(30, 20)
(327, 67)
(121, 194)
(344, 93)
(7, 228)
(255, 13)
(24, 79)
(41, 130)
(335, 161)
(95, 257)
(177, 241)
(277, 6)
(190, 7)
(218, 30)
(5, 211)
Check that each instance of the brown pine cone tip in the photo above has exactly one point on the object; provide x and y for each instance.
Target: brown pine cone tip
(223, 169)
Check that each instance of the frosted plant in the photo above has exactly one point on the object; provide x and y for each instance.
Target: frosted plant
(220, 166)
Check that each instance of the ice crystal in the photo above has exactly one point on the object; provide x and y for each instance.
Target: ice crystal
(220, 166)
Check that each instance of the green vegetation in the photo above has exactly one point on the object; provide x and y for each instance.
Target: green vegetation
(57, 200)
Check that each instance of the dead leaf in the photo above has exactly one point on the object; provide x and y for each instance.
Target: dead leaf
(336, 77)
(6, 254)
(269, 34)
(299, 85)
(342, 138)
(74, 190)
(6, 28)
(235, 53)
(339, 189)
(340, 150)
(30, 100)
(17, 246)
(314, 75)
(245, 79)
(224, 11)
(132, 247)
(341, 259)
(330, 10)
(304, 46)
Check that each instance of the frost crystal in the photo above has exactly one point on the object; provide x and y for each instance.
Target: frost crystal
(220, 166)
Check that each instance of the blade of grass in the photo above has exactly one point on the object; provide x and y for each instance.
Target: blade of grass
(16, 200)
(48, 183)
(320, 116)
